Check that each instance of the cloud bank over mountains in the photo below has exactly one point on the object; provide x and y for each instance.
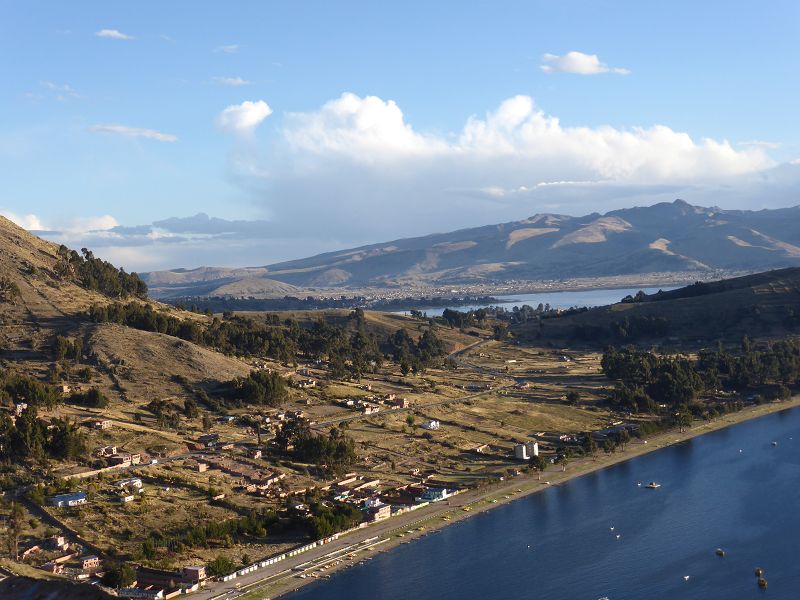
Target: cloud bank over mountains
(356, 171)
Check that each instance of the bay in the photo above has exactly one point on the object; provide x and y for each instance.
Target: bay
(566, 299)
(731, 489)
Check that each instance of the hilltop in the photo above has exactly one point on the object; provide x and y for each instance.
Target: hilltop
(763, 305)
(665, 237)
(48, 292)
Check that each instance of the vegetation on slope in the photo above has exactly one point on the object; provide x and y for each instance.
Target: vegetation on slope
(98, 275)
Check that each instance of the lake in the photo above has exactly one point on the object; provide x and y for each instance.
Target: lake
(593, 297)
(730, 489)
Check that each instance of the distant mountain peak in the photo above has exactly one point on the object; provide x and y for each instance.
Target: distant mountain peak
(664, 237)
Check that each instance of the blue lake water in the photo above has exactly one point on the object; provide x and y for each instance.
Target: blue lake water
(557, 544)
(590, 298)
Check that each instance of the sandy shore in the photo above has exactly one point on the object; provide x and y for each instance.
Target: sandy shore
(405, 528)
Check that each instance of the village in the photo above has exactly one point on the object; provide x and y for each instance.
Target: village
(417, 445)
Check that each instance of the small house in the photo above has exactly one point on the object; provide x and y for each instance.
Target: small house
(64, 500)
(133, 482)
(433, 495)
(379, 513)
(89, 562)
(53, 567)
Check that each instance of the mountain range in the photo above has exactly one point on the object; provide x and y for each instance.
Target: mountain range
(665, 237)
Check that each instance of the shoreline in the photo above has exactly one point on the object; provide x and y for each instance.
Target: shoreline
(475, 501)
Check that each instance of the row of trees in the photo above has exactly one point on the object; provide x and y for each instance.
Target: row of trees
(98, 275)
(332, 454)
(260, 387)
(351, 349)
(415, 356)
(67, 349)
(21, 388)
(325, 520)
(646, 380)
(628, 329)
(30, 438)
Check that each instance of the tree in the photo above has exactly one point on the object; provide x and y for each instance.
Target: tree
(14, 524)
(264, 387)
(500, 331)
(563, 461)
(589, 445)
(122, 576)
(623, 438)
(221, 565)
(684, 420)
(190, 410)
(539, 464)
(573, 397)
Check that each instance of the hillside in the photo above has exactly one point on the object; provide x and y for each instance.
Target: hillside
(665, 237)
(763, 305)
(46, 301)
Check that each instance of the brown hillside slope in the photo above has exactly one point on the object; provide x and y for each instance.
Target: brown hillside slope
(763, 305)
(124, 362)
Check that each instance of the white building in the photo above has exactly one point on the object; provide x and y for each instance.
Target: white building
(434, 495)
(133, 482)
(525, 451)
(431, 425)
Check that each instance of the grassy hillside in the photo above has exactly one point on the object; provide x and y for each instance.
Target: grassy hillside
(763, 305)
(666, 237)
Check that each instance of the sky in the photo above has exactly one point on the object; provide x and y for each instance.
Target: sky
(180, 134)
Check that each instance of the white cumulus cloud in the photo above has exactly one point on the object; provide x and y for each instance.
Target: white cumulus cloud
(578, 63)
(364, 129)
(113, 34)
(64, 229)
(242, 119)
(136, 132)
(30, 222)
(361, 168)
(517, 139)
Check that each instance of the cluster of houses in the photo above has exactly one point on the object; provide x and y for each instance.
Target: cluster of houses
(373, 404)
(58, 556)
(116, 457)
(251, 479)
(101, 424)
(378, 505)
(126, 490)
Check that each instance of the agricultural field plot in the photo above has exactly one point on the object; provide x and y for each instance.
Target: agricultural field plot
(158, 512)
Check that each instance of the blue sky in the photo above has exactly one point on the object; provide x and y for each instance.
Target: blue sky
(357, 122)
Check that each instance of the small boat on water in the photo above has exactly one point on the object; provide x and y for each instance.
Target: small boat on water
(720, 552)
(653, 485)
